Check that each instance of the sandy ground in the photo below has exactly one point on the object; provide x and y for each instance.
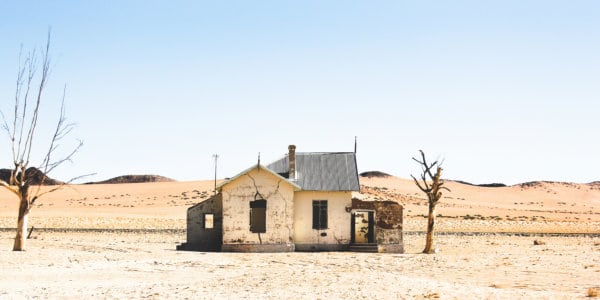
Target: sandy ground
(145, 265)
(111, 262)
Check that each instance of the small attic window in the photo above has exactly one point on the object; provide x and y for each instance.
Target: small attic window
(209, 221)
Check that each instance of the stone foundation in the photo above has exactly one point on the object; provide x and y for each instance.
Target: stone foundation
(390, 248)
(321, 247)
(257, 248)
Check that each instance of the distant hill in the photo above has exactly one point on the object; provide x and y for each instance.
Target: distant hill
(376, 174)
(34, 174)
(134, 179)
(481, 185)
(531, 184)
(541, 184)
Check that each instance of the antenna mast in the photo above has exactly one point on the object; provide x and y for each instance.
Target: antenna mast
(216, 157)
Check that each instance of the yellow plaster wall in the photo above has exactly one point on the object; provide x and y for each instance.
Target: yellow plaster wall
(338, 222)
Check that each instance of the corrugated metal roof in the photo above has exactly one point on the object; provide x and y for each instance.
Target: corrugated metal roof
(322, 171)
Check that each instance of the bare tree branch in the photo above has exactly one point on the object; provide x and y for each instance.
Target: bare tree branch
(418, 184)
(426, 166)
(9, 187)
(36, 110)
(58, 187)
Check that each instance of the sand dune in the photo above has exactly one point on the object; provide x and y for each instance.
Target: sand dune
(540, 206)
(532, 207)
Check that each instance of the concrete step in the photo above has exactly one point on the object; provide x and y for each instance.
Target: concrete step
(369, 248)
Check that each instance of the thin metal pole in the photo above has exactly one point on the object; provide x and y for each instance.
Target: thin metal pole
(216, 156)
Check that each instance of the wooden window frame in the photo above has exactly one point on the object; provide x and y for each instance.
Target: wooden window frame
(320, 214)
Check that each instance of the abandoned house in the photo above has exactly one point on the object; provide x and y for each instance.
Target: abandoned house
(301, 202)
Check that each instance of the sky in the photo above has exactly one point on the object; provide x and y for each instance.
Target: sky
(500, 91)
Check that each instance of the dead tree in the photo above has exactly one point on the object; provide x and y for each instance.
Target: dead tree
(432, 185)
(21, 128)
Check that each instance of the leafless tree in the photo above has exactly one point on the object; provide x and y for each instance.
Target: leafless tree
(21, 127)
(432, 185)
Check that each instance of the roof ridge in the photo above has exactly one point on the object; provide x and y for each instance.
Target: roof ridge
(324, 153)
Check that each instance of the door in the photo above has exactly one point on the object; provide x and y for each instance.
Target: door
(363, 227)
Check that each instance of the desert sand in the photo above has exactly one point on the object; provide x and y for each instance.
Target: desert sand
(118, 241)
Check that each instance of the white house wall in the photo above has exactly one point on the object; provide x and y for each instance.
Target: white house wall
(258, 184)
(337, 235)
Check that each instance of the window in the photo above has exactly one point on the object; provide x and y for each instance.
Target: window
(258, 216)
(209, 221)
(319, 214)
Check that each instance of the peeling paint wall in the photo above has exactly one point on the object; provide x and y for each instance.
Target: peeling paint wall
(338, 214)
(388, 223)
(254, 185)
(198, 237)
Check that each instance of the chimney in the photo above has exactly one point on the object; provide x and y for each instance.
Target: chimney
(292, 162)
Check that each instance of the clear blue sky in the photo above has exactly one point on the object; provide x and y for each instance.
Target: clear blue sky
(504, 91)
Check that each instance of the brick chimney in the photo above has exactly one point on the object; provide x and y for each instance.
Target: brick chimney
(292, 162)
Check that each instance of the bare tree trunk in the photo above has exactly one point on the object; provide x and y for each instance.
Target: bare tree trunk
(432, 186)
(429, 246)
(21, 237)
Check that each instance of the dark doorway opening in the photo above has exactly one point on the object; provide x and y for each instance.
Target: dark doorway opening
(363, 227)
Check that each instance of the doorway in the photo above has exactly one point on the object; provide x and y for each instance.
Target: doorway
(363, 227)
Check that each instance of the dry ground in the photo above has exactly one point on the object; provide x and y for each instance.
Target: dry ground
(144, 264)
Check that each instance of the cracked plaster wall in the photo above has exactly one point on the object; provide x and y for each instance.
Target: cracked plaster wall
(258, 184)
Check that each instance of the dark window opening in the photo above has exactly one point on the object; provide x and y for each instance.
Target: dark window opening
(209, 221)
(258, 216)
(319, 214)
